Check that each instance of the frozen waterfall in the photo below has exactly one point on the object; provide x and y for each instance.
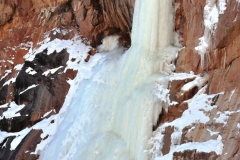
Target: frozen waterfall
(115, 107)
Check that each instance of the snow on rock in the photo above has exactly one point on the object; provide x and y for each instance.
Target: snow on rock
(212, 10)
(9, 61)
(29, 70)
(212, 133)
(7, 72)
(223, 116)
(18, 67)
(75, 47)
(51, 71)
(19, 136)
(196, 113)
(48, 113)
(198, 81)
(30, 87)
(11, 111)
(85, 72)
(232, 92)
(25, 46)
(9, 81)
(208, 146)
(77, 50)
(238, 125)
(181, 76)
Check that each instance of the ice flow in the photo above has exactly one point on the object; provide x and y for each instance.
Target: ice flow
(114, 109)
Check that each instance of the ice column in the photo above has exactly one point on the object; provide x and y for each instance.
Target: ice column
(112, 115)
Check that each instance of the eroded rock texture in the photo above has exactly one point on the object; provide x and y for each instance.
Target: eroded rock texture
(47, 95)
(7, 11)
(98, 18)
(221, 63)
(193, 155)
(189, 24)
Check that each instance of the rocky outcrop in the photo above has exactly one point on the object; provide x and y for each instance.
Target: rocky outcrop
(27, 146)
(221, 63)
(47, 94)
(193, 155)
(24, 149)
(97, 19)
(189, 24)
(7, 11)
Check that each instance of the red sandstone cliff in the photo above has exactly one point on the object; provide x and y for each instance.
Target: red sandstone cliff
(23, 21)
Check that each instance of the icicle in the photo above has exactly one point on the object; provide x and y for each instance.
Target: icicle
(212, 10)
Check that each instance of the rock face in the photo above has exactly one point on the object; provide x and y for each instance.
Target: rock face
(193, 155)
(99, 18)
(189, 24)
(222, 65)
(7, 11)
(24, 22)
(47, 94)
(23, 151)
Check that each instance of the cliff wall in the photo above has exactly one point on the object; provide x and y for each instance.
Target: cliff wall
(23, 24)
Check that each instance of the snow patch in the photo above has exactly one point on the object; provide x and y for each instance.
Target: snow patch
(212, 133)
(7, 72)
(181, 76)
(238, 125)
(31, 71)
(9, 61)
(4, 105)
(12, 80)
(232, 92)
(46, 114)
(223, 116)
(30, 87)
(198, 81)
(208, 146)
(51, 71)
(12, 110)
(19, 137)
(18, 67)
